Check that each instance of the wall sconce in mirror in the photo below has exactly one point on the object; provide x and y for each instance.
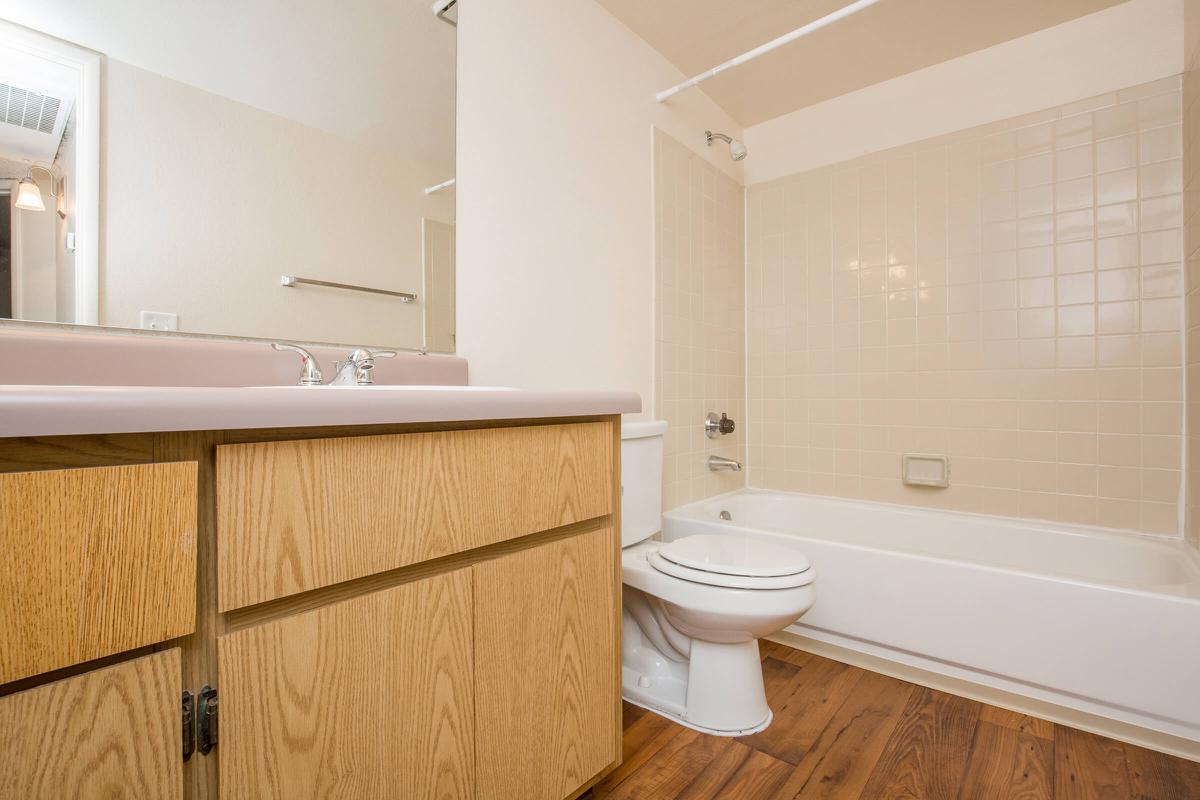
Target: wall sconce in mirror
(29, 195)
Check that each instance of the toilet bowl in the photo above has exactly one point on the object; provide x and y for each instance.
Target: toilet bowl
(695, 607)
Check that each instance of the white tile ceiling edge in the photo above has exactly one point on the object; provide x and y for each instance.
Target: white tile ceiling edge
(1128, 44)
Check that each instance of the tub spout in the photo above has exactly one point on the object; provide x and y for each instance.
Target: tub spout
(720, 462)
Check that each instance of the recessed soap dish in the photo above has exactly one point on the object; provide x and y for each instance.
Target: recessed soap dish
(919, 469)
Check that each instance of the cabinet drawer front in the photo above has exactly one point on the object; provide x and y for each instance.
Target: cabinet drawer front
(371, 697)
(93, 562)
(299, 515)
(112, 732)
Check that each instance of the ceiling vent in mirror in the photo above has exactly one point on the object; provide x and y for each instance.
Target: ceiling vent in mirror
(26, 109)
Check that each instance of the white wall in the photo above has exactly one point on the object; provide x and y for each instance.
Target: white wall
(1132, 43)
(555, 213)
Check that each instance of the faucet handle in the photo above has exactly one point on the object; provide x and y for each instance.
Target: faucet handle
(360, 363)
(360, 354)
(310, 370)
(715, 426)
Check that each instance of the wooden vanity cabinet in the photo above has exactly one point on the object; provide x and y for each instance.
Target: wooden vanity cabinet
(399, 612)
(465, 644)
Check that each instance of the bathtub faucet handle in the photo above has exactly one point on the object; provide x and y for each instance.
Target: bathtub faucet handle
(715, 426)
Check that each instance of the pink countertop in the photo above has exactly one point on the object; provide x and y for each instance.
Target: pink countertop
(140, 382)
(64, 410)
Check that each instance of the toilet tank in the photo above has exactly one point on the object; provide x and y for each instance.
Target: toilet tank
(641, 480)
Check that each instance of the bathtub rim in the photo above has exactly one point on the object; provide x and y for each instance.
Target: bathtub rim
(1185, 592)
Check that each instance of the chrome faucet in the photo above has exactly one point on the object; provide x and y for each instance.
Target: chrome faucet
(720, 462)
(356, 369)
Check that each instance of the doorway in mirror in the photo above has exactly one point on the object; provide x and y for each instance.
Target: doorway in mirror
(46, 103)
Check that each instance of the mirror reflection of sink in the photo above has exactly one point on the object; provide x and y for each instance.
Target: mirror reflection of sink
(382, 387)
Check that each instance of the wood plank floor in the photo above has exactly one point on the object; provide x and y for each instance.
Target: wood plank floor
(843, 732)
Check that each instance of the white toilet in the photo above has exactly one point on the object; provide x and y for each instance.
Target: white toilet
(695, 607)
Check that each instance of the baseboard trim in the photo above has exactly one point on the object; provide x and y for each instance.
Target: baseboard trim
(1093, 723)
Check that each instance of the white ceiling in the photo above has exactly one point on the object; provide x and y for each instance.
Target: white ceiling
(379, 72)
(891, 38)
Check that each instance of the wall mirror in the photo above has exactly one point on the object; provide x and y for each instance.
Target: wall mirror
(259, 169)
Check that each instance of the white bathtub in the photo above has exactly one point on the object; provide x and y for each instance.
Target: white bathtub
(1101, 622)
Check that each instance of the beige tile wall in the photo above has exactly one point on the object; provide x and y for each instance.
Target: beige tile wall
(1009, 295)
(699, 318)
(1191, 207)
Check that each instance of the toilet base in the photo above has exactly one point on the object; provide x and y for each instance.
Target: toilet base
(717, 690)
(766, 723)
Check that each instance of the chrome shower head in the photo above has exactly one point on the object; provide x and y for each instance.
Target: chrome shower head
(737, 150)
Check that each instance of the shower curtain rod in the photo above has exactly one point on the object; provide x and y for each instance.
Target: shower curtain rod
(828, 19)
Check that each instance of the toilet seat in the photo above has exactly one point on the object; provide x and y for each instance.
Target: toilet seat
(736, 562)
(730, 554)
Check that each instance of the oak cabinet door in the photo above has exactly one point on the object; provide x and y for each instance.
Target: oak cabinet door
(547, 660)
(367, 698)
(111, 732)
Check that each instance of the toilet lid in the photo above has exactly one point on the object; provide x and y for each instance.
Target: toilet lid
(726, 554)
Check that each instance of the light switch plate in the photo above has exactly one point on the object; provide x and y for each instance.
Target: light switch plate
(160, 321)
(920, 469)
(70, 241)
